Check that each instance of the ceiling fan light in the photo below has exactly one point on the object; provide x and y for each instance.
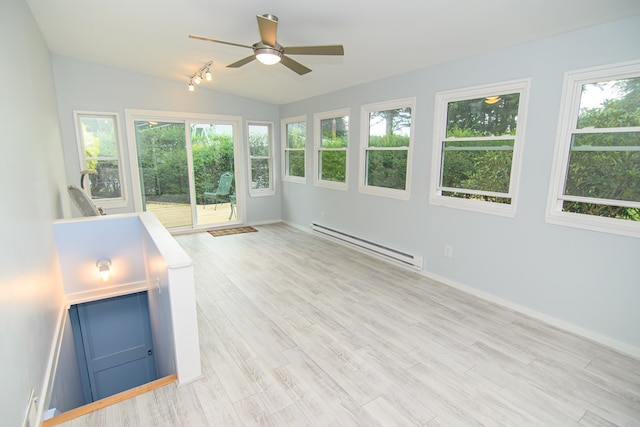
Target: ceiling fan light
(268, 56)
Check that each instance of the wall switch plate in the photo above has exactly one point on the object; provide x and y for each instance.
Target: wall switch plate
(448, 251)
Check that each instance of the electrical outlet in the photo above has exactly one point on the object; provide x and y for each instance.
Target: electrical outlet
(448, 251)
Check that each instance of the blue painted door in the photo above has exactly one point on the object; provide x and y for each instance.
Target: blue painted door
(117, 344)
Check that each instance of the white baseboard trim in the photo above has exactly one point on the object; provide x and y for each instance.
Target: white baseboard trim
(607, 341)
(52, 365)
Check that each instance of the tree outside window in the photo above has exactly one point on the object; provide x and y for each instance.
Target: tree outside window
(294, 132)
(478, 144)
(596, 176)
(260, 158)
(332, 141)
(386, 148)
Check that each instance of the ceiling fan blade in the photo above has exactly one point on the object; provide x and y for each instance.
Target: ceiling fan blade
(268, 26)
(294, 65)
(241, 62)
(334, 49)
(207, 39)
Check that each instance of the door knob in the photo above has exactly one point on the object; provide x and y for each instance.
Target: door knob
(149, 352)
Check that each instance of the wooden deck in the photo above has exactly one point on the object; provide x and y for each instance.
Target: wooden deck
(179, 214)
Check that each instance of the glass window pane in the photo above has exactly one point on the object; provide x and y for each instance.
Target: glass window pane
(489, 116)
(390, 128)
(106, 183)
(335, 132)
(259, 140)
(213, 155)
(259, 173)
(608, 104)
(162, 158)
(296, 135)
(295, 162)
(387, 168)
(605, 166)
(333, 165)
(477, 165)
(99, 136)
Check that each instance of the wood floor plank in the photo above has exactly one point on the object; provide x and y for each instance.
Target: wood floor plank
(298, 331)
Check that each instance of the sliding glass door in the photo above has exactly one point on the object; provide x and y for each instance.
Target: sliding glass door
(186, 169)
(164, 171)
(213, 172)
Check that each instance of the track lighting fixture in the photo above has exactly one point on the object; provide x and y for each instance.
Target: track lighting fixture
(196, 78)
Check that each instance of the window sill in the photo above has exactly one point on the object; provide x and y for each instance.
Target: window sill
(385, 192)
(620, 227)
(332, 185)
(294, 179)
(490, 208)
(110, 203)
(262, 193)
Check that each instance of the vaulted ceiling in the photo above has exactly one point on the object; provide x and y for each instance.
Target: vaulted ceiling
(380, 38)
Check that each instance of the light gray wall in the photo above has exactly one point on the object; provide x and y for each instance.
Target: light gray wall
(587, 279)
(33, 194)
(87, 86)
(113, 237)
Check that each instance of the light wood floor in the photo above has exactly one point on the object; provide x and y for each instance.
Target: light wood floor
(296, 331)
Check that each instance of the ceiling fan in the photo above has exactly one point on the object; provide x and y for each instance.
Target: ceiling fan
(269, 52)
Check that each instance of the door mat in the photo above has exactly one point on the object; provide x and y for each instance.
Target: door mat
(230, 231)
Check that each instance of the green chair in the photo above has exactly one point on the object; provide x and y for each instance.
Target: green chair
(220, 194)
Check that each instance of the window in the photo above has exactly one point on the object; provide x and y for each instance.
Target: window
(386, 148)
(596, 177)
(98, 137)
(260, 159)
(331, 141)
(294, 145)
(478, 139)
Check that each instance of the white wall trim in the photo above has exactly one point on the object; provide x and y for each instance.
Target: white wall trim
(106, 292)
(52, 365)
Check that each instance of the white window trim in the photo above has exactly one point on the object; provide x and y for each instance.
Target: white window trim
(271, 189)
(522, 87)
(116, 202)
(283, 137)
(571, 95)
(317, 138)
(364, 146)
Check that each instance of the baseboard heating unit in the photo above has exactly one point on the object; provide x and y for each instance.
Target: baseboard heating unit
(373, 248)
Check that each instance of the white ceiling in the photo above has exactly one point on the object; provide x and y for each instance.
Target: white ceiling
(380, 38)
